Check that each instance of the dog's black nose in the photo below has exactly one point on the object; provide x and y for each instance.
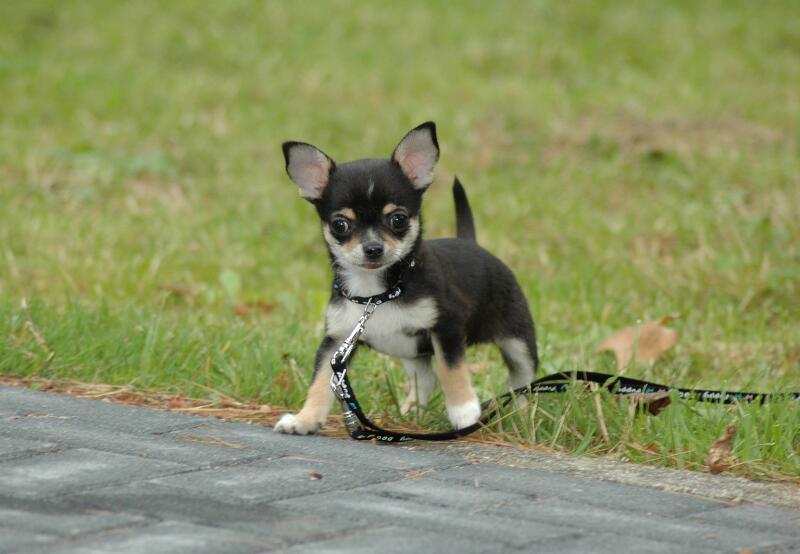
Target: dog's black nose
(373, 250)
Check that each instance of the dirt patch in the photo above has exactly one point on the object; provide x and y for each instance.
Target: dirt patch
(218, 405)
(143, 193)
(636, 137)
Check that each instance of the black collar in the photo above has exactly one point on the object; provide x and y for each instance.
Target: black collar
(391, 293)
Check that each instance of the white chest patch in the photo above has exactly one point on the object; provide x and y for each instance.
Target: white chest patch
(362, 282)
(391, 328)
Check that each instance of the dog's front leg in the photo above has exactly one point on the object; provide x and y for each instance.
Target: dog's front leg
(463, 407)
(320, 397)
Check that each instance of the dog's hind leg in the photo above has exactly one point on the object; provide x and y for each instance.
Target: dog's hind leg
(519, 359)
(422, 379)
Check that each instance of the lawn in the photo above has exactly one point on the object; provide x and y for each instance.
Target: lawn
(627, 160)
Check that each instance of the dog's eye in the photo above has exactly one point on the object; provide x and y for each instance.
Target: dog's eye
(398, 221)
(340, 226)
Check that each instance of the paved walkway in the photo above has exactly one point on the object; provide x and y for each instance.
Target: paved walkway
(84, 476)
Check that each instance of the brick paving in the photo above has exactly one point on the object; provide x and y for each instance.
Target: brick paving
(83, 476)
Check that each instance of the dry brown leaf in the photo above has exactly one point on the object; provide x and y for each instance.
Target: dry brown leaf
(653, 402)
(211, 440)
(653, 448)
(176, 289)
(416, 473)
(648, 341)
(176, 403)
(257, 307)
(718, 458)
(40, 415)
(314, 476)
(282, 380)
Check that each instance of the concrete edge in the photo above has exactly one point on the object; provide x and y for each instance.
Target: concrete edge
(726, 488)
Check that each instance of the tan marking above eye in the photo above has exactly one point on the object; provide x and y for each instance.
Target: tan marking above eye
(389, 208)
(346, 212)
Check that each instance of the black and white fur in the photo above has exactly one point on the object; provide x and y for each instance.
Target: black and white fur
(457, 295)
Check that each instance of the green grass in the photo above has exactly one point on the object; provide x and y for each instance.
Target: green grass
(626, 160)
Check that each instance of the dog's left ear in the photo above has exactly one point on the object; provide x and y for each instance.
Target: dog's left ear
(417, 154)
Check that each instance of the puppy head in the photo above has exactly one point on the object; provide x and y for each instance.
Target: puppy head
(369, 208)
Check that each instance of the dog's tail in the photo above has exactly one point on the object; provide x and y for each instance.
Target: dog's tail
(465, 226)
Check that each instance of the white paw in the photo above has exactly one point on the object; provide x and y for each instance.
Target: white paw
(464, 415)
(294, 425)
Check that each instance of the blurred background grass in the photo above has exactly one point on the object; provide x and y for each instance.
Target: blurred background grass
(626, 160)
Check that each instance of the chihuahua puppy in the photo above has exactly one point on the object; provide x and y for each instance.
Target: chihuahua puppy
(455, 293)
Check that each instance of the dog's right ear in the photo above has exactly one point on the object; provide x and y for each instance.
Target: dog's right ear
(309, 167)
